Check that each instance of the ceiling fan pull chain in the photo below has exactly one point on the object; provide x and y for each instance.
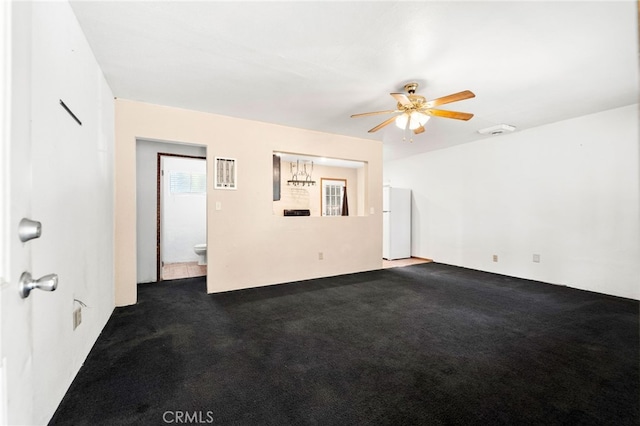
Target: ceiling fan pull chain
(407, 128)
(404, 136)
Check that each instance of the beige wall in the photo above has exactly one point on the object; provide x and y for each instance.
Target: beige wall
(249, 246)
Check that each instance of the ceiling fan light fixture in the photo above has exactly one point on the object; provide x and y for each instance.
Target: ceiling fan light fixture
(415, 111)
(416, 119)
(401, 120)
(420, 118)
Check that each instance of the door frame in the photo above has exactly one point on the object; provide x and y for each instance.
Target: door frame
(159, 205)
(5, 140)
(322, 181)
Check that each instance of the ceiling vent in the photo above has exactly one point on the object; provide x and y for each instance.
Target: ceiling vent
(497, 130)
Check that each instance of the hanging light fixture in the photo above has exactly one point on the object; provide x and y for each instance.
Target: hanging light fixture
(415, 120)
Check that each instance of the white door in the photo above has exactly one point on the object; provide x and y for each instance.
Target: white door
(48, 169)
(17, 313)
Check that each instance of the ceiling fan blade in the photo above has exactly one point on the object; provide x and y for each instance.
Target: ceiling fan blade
(364, 114)
(448, 114)
(402, 99)
(467, 94)
(381, 125)
(419, 130)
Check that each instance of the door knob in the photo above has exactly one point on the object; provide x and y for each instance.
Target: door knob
(29, 229)
(46, 283)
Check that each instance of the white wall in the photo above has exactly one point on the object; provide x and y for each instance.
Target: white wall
(184, 216)
(567, 191)
(146, 200)
(69, 180)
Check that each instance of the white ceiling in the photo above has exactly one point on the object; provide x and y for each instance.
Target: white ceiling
(312, 64)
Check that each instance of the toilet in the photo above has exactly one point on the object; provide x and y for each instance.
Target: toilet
(201, 250)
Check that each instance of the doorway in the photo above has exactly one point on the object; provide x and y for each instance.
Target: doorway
(148, 210)
(181, 226)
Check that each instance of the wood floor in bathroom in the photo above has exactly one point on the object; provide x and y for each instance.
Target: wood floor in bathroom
(174, 271)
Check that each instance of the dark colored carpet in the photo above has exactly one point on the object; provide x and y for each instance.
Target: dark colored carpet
(427, 344)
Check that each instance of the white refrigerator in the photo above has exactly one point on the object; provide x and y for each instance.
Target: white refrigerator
(396, 223)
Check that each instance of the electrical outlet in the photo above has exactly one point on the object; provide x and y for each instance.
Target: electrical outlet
(495, 257)
(77, 317)
(320, 255)
(536, 258)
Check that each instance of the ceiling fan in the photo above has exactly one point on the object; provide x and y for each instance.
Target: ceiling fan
(415, 110)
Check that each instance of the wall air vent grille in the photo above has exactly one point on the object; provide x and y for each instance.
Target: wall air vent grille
(497, 130)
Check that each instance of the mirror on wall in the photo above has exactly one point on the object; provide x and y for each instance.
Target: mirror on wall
(305, 185)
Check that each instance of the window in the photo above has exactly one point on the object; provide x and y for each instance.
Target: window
(187, 183)
(332, 196)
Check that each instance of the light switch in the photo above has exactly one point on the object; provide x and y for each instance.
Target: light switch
(372, 210)
(218, 205)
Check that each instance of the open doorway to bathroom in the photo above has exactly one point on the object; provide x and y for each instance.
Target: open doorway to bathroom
(148, 209)
(182, 216)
